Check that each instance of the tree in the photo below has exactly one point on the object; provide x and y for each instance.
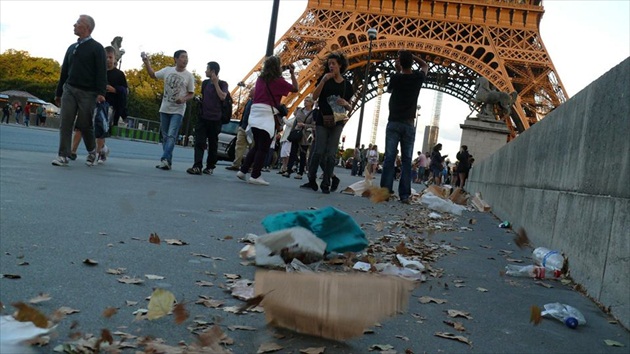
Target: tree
(20, 71)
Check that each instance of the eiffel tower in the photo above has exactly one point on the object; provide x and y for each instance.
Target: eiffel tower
(461, 40)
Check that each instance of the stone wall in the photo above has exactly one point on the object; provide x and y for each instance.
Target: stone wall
(566, 181)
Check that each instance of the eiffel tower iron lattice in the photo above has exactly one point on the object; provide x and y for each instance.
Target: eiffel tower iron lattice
(461, 40)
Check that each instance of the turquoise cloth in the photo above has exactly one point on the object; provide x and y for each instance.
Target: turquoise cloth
(340, 232)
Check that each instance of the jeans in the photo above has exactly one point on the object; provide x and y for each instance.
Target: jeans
(404, 134)
(76, 104)
(256, 156)
(169, 129)
(207, 131)
(296, 149)
(326, 144)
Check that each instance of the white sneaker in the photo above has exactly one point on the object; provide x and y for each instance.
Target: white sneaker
(240, 175)
(258, 181)
(102, 157)
(60, 161)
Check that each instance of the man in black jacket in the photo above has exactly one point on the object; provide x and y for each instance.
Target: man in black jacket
(81, 84)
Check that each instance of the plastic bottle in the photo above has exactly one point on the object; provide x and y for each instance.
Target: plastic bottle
(531, 271)
(566, 314)
(548, 258)
(505, 225)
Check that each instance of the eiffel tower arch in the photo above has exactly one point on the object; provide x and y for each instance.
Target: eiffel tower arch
(461, 40)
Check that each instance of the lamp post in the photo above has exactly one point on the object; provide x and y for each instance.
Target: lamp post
(241, 84)
(371, 36)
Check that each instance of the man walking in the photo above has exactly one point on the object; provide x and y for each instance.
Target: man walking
(179, 87)
(81, 84)
(213, 93)
(404, 87)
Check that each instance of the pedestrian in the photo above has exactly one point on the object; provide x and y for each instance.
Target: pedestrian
(404, 87)
(363, 161)
(213, 93)
(463, 166)
(422, 165)
(116, 98)
(305, 122)
(356, 161)
(332, 89)
(437, 164)
(372, 159)
(6, 112)
(27, 114)
(270, 87)
(242, 144)
(179, 88)
(81, 85)
(18, 113)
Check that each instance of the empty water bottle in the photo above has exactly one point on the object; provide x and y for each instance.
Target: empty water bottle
(531, 271)
(566, 314)
(548, 258)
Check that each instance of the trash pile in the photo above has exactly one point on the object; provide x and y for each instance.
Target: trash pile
(548, 265)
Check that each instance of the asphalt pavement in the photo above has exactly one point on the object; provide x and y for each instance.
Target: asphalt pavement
(54, 218)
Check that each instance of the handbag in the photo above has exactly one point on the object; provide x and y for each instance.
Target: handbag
(337, 116)
(296, 134)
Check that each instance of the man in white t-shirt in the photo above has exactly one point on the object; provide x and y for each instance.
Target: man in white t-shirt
(179, 87)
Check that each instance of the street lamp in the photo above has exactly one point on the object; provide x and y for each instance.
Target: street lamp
(371, 36)
(241, 84)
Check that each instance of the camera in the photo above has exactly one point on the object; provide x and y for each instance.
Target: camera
(287, 67)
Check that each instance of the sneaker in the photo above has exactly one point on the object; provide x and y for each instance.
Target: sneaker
(298, 177)
(164, 165)
(73, 156)
(102, 157)
(325, 190)
(405, 201)
(232, 168)
(259, 181)
(194, 171)
(60, 161)
(240, 175)
(91, 159)
(335, 183)
(286, 174)
(207, 171)
(310, 184)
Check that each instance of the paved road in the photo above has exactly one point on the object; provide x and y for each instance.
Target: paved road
(54, 218)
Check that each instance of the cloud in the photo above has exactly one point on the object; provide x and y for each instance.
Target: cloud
(219, 33)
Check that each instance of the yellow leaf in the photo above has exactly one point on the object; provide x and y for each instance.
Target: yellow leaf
(161, 303)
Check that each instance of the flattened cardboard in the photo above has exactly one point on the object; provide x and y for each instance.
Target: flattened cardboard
(336, 306)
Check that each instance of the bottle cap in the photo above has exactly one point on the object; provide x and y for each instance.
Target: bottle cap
(571, 322)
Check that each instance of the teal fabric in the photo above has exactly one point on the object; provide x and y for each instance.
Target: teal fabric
(340, 232)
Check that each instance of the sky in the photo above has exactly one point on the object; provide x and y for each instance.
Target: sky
(584, 39)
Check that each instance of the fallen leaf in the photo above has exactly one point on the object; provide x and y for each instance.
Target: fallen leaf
(453, 337)
(457, 313)
(242, 328)
(130, 280)
(131, 303)
(180, 313)
(457, 325)
(535, 315)
(472, 221)
(211, 303)
(514, 260)
(67, 310)
(232, 276)
(109, 312)
(548, 286)
(116, 271)
(460, 285)
(90, 262)
(427, 299)
(11, 276)
(483, 290)
(154, 238)
(203, 283)
(268, 348)
(228, 237)
(106, 336)
(381, 347)
(613, 343)
(406, 339)
(161, 303)
(39, 298)
(26, 313)
(251, 303)
(175, 242)
(378, 195)
(23, 263)
(200, 255)
(153, 277)
(313, 350)
(521, 239)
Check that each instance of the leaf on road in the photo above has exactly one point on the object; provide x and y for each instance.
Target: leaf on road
(313, 350)
(483, 290)
(406, 339)
(268, 348)
(175, 242)
(199, 255)
(161, 303)
(514, 260)
(67, 310)
(180, 313)
(40, 298)
(457, 313)
(117, 271)
(153, 277)
(251, 303)
(453, 337)
(131, 303)
(535, 315)
(243, 289)
(154, 238)
(242, 328)
(521, 239)
(232, 276)
(90, 262)
(26, 313)
(23, 263)
(612, 343)
(109, 312)
(381, 347)
(548, 286)
(130, 280)
(106, 336)
(457, 325)
(203, 283)
(210, 303)
(427, 299)
(11, 276)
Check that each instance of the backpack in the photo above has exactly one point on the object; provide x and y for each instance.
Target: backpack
(226, 106)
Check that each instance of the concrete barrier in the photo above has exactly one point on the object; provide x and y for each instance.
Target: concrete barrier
(566, 181)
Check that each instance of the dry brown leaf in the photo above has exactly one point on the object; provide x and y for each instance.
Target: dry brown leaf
(23, 263)
(457, 325)
(117, 271)
(251, 303)
(109, 312)
(106, 336)
(514, 260)
(535, 315)
(175, 242)
(378, 195)
(268, 348)
(483, 290)
(381, 347)
(548, 286)
(180, 313)
(313, 350)
(210, 303)
(228, 237)
(379, 226)
(90, 262)
(131, 303)
(402, 249)
(232, 276)
(427, 299)
(130, 280)
(242, 328)
(203, 283)
(200, 255)
(458, 313)
(453, 337)
(161, 303)
(154, 238)
(26, 313)
(521, 239)
(406, 339)
(40, 298)
(67, 310)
